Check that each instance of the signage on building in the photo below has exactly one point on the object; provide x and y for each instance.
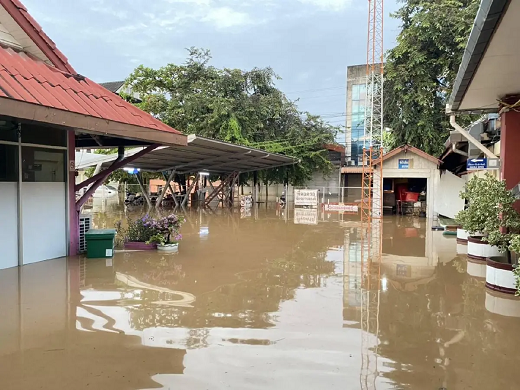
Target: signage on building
(305, 216)
(475, 164)
(340, 208)
(306, 198)
(404, 163)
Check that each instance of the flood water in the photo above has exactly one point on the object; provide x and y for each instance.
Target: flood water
(261, 300)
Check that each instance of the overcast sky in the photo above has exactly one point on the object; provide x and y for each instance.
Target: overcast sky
(309, 43)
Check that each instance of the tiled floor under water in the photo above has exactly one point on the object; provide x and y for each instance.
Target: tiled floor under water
(258, 301)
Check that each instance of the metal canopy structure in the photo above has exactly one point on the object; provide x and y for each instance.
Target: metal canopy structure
(202, 156)
(208, 155)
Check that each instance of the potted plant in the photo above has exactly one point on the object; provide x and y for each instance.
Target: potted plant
(168, 236)
(470, 220)
(137, 234)
(480, 194)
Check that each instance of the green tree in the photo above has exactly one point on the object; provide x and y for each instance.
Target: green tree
(421, 69)
(242, 107)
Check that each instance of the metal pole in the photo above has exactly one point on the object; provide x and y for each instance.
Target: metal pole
(165, 188)
(173, 192)
(188, 191)
(20, 185)
(145, 193)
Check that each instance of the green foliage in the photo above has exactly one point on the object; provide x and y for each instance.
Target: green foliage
(421, 69)
(242, 107)
(490, 211)
(157, 239)
(473, 218)
(138, 230)
(516, 272)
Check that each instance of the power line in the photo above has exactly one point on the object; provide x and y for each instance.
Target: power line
(316, 90)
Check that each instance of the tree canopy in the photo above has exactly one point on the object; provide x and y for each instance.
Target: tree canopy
(242, 107)
(421, 69)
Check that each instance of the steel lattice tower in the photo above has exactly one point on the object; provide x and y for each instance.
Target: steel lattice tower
(372, 197)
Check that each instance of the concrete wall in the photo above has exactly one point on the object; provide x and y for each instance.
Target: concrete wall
(419, 168)
(318, 181)
(447, 199)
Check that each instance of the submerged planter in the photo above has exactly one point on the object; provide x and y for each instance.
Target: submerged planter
(480, 250)
(476, 269)
(140, 246)
(462, 249)
(502, 304)
(499, 275)
(462, 236)
(168, 248)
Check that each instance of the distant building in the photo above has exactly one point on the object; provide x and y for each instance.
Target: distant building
(118, 87)
(355, 113)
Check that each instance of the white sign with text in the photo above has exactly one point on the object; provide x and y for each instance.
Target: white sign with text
(306, 197)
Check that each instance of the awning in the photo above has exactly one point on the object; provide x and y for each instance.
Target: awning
(489, 68)
(203, 154)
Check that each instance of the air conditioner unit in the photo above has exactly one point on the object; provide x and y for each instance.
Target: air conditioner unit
(85, 223)
(351, 163)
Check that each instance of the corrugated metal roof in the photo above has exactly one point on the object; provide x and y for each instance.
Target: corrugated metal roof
(27, 79)
(204, 154)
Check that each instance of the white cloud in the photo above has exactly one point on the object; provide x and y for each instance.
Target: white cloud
(333, 5)
(225, 17)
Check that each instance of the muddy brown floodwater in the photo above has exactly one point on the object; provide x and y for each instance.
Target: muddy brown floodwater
(261, 300)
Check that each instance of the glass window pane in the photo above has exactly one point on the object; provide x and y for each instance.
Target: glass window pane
(363, 93)
(8, 131)
(8, 163)
(43, 165)
(355, 107)
(42, 135)
(355, 92)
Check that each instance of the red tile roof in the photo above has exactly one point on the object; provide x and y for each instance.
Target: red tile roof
(412, 149)
(31, 27)
(25, 78)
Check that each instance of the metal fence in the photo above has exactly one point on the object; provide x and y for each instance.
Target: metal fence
(333, 194)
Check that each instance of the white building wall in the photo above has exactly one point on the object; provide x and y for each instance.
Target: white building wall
(419, 168)
(44, 221)
(447, 199)
(8, 224)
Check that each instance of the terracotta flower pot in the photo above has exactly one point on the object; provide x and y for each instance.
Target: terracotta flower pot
(480, 250)
(140, 246)
(499, 275)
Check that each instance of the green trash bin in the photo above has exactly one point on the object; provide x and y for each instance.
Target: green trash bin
(100, 243)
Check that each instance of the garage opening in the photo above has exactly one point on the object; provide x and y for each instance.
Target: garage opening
(405, 196)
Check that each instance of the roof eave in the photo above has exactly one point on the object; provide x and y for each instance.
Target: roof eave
(88, 124)
(486, 23)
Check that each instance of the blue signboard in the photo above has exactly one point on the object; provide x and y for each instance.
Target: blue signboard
(404, 163)
(476, 163)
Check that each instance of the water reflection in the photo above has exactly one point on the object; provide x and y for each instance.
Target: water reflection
(256, 302)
